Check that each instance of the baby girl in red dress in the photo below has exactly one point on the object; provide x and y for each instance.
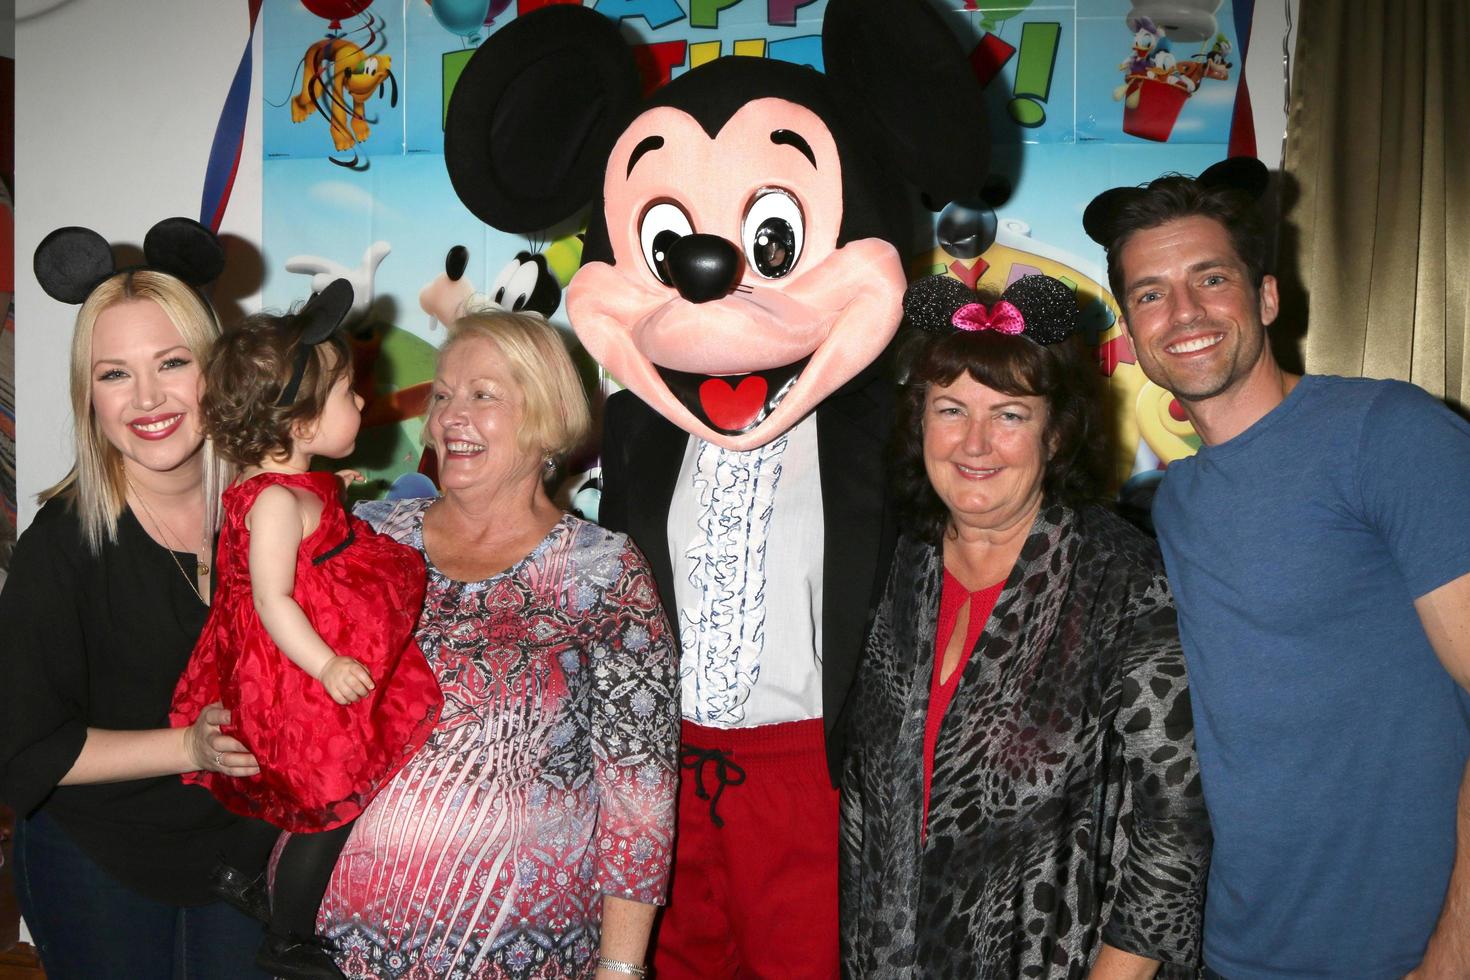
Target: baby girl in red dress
(310, 638)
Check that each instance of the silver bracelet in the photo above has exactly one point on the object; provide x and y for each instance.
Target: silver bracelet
(603, 963)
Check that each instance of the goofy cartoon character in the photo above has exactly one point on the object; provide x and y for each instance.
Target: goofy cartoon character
(741, 279)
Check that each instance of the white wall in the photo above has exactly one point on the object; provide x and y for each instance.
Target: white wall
(1263, 73)
(115, 108)
(116, 104)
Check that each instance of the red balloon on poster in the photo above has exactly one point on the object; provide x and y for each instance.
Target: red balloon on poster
(336, 10)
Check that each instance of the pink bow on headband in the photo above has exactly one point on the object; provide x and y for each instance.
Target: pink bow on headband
(1002, 318)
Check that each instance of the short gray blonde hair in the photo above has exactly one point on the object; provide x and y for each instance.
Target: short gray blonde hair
(557, 417)
(96, 486)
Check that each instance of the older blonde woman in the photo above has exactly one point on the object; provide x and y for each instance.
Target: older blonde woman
(108, 590)
(532, 834)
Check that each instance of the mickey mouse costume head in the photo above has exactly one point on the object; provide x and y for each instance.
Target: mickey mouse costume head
(741, 276)
(740, 263)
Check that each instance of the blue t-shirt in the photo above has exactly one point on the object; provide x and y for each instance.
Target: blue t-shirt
(1332, 741)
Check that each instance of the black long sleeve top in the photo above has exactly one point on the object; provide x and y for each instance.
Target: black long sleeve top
(99, 641)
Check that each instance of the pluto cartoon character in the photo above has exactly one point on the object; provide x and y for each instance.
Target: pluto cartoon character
(337, 79)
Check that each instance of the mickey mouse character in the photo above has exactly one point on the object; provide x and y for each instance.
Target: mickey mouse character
(740, 278)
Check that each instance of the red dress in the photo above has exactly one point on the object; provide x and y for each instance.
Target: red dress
(320, 762)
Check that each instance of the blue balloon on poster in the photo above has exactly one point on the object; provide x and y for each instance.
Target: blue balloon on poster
(462, 17)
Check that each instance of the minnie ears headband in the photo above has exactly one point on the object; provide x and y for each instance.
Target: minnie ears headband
(71, 262)
(316, 321)
(1245, 174)
(1039, 308)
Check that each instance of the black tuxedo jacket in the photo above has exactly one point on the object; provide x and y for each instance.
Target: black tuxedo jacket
(641, 456)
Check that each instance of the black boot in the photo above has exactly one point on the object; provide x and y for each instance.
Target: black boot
(297, 958)
(247, 894)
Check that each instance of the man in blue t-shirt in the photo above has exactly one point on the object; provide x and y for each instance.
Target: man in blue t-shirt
(1318, 545)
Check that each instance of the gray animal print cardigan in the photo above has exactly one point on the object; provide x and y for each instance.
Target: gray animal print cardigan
(1066, 807)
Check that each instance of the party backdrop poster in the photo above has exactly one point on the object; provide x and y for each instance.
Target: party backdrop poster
(1082, 95)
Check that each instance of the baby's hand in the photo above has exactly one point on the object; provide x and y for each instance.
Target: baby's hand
(346, 680)
(349, 477)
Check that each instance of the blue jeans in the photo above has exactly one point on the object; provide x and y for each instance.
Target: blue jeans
(89, 926)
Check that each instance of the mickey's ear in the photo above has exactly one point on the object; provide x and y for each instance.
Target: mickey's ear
(1242, 173)
(70, 262)
(1102, 212)
(895, 63)
(535, 114)
(186, 249)
(325, 311)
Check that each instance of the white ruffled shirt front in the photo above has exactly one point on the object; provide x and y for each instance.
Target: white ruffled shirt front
(746, 537)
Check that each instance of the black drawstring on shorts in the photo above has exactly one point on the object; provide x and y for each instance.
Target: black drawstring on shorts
(727, 773)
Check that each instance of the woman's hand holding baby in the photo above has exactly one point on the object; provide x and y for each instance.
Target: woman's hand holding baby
(210, 749)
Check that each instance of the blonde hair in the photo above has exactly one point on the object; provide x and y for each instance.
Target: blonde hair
(557, 417)
(96, 487)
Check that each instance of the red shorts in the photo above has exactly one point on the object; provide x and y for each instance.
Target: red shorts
(754, 890)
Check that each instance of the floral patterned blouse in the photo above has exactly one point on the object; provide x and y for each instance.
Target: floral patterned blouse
(548, 782)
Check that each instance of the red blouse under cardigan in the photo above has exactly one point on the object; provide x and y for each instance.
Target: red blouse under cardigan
(951, 601)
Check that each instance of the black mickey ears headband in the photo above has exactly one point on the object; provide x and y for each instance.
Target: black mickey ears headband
(1245, 174)
(71, 262)
(315, 322)
(1039, 308)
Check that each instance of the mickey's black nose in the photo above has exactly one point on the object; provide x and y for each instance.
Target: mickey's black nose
(703, 267)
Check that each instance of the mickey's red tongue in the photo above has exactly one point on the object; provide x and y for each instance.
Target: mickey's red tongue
(733, 407)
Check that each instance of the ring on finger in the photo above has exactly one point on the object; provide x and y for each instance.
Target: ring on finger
(219, 759)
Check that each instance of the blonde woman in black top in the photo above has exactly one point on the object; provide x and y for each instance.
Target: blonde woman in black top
(107, 592)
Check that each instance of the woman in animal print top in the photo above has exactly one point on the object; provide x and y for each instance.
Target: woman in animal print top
(1021, 796)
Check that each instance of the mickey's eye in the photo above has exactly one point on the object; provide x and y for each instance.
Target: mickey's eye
(662, 225)
(772, 233)
(513, 287)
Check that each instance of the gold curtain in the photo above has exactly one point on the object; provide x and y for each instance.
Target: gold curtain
(1375, 257)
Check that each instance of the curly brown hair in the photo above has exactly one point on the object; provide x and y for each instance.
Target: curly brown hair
(1064, 374)
(248, 366)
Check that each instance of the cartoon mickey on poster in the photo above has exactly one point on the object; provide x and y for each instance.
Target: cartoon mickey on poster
(741, 278)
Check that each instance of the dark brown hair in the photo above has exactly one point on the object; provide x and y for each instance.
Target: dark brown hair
(1064, 374)
(1174, 197)
(248, 367)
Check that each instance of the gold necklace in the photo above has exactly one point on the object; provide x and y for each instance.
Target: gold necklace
(202, 569)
